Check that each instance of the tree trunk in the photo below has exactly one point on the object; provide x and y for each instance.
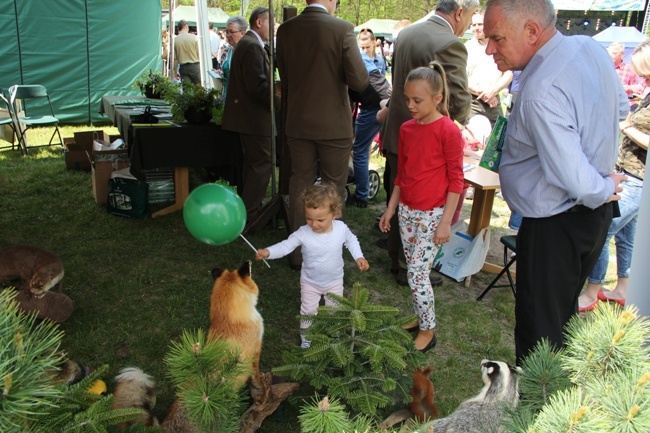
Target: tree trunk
(265, 401)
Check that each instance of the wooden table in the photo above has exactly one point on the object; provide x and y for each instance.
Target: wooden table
(177, 146)
(485, 183)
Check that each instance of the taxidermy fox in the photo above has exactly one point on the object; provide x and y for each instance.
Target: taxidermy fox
(135, 388)
(481, 413)
(39, 270)
(234, 318)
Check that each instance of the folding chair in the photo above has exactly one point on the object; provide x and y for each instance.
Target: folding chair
(9, 121)
(509, 244)
(19, 95)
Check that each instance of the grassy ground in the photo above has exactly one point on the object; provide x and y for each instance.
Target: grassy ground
(136, 284)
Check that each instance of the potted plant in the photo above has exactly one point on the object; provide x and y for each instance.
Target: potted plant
(152, 84)
(194, 103)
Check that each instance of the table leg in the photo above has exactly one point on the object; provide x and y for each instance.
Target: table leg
(481, 211)
(181, 191)
(480, 218)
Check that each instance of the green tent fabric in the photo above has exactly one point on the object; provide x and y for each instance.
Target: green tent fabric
(216, 16)
(79, 50)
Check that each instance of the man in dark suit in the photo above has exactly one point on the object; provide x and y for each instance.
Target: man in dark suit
(318, 59)
(418, 45)
(248, 109)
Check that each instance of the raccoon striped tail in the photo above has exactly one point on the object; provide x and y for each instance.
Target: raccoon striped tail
(135, 388)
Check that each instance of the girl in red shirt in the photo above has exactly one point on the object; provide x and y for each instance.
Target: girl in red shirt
(427, 186)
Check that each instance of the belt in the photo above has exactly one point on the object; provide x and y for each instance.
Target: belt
(583, 209)
(185, 64)
(627, 173)
(579, 208)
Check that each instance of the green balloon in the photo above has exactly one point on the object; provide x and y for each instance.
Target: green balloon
(214, 214)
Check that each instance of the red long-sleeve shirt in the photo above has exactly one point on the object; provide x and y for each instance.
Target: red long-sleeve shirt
(430, 163)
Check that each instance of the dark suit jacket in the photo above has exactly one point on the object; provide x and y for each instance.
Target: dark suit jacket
(416, 46)
(248, 101)
(318, 58)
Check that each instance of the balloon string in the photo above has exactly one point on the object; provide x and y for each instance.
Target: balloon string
(251, 245)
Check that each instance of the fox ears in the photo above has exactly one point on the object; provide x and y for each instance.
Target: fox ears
(243, 271)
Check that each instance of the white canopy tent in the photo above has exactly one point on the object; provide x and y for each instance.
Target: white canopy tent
(628, 36)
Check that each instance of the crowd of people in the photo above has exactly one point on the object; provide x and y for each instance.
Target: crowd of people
(570, 182)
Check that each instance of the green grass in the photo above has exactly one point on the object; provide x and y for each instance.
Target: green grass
(136, 284)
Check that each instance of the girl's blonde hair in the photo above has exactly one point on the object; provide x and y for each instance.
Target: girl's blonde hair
(641, 58)
(323, 195)
(435, 77)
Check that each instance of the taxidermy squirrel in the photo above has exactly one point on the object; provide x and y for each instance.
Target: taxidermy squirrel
(38, 270)
(422, 394)
(421, 407)
(480, 414)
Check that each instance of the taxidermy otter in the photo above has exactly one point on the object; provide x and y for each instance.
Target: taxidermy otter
(37, 269)
(36, 272)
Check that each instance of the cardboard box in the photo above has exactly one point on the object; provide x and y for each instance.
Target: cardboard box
(492, 154)
(101, 171)
(85, 138)
(76, 149)
(75, 155)
(102, 164)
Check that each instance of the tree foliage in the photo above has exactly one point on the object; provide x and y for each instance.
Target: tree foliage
(31, 400)
(359, 353)
(355, 11)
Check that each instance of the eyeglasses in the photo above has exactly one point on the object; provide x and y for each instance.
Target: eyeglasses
(232, 32)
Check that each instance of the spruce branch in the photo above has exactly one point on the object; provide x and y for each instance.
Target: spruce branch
(359, 353)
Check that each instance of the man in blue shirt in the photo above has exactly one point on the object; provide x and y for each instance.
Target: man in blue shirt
(557, 162)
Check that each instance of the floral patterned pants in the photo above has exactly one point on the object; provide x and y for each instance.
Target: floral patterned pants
(417, 229)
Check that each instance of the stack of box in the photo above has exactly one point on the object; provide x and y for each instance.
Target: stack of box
(103, 163)
(161, 184)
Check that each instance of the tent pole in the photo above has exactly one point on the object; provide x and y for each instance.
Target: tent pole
(272, 89)
(172, 34)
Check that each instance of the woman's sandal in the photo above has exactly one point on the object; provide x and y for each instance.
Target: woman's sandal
(601, 295)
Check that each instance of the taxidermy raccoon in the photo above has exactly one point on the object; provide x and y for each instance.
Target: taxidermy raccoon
(481, 414)
(37, 269)
(135, 388)
(234, 318)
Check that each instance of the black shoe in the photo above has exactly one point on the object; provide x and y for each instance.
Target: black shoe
(436, 280)
(401, 278)
(431, 344)
(358, 202)
(382, 243)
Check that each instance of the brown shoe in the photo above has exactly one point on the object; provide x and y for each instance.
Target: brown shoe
(54, 306)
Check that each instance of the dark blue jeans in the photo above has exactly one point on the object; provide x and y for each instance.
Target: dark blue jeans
(365, 130)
